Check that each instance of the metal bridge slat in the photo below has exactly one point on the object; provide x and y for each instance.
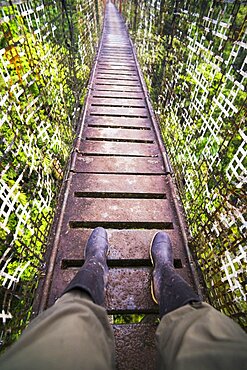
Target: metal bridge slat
(119, 134)
(142, 211)
(136, 122)
(111, 87)
(126, 245)
(135, 346)
(119, 148)
(112, 164)
(121, 102)
(118, 184)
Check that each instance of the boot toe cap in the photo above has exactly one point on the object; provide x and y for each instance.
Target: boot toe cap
(161, 248)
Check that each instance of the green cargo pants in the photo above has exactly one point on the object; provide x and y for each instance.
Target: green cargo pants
(75, 334)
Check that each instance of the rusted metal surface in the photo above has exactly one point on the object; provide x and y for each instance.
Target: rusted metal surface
(107, 73)
(128, 289)
(130, 186)
(111, 164)
(99, 86)
(125, 245)
(119, 134)
(119, 179)
(119, 111)
(140, 103)
(116, 67)
(133, 84)
(135, 346)
(116, 77)
(118, 122)
(117, 148)
(143, 211)
(117, 94)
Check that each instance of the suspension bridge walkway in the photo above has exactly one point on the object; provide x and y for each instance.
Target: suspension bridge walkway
(119, 178)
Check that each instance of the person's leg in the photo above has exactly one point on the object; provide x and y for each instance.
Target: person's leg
(74, 333)
(200, 337)
(191, 334)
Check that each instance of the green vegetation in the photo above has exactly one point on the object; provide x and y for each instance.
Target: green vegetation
(45, 60)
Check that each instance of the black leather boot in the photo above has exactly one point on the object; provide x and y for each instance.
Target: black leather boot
(92, 277)
(168, 288)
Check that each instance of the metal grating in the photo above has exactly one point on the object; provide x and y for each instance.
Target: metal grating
(194, 61)
(46, 52)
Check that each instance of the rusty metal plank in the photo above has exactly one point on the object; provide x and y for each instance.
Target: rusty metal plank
(124, 58)
(135, 346)
(111, 64)
(135, 244)
(108, 48)
(109, 72)
(125, 45)
(118, 58)
(106, 87)
(129, 165)
(121, 49)
(116, 67)
(120, 43)
(118, 102)
(119, 111)
(135, 185)
(117, 61)
(114, 82)
(118, 94)
(131, 122)
(130, 211)
(118, 148)
(116, 55)
(128, 289)
(112, 72)
(116, 51)
(126, 64)
(127, 246)
(116, 77)
(119, 134)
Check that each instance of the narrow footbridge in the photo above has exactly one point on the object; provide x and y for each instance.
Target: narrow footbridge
(119, 178)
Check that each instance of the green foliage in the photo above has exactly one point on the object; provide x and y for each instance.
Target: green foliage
(127, 319)
(45, 65)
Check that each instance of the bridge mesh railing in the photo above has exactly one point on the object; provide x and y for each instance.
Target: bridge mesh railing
(194, 60)
(46, 53)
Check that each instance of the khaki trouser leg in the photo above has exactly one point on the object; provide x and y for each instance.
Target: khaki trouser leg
(72, 334)
(202, 338)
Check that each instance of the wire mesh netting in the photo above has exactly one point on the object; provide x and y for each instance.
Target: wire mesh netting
(194, 60)
(46, 53)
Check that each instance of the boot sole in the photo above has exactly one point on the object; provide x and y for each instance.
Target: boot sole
(151, 258)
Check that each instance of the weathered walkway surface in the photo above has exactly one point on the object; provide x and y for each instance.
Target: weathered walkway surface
(118, 179)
